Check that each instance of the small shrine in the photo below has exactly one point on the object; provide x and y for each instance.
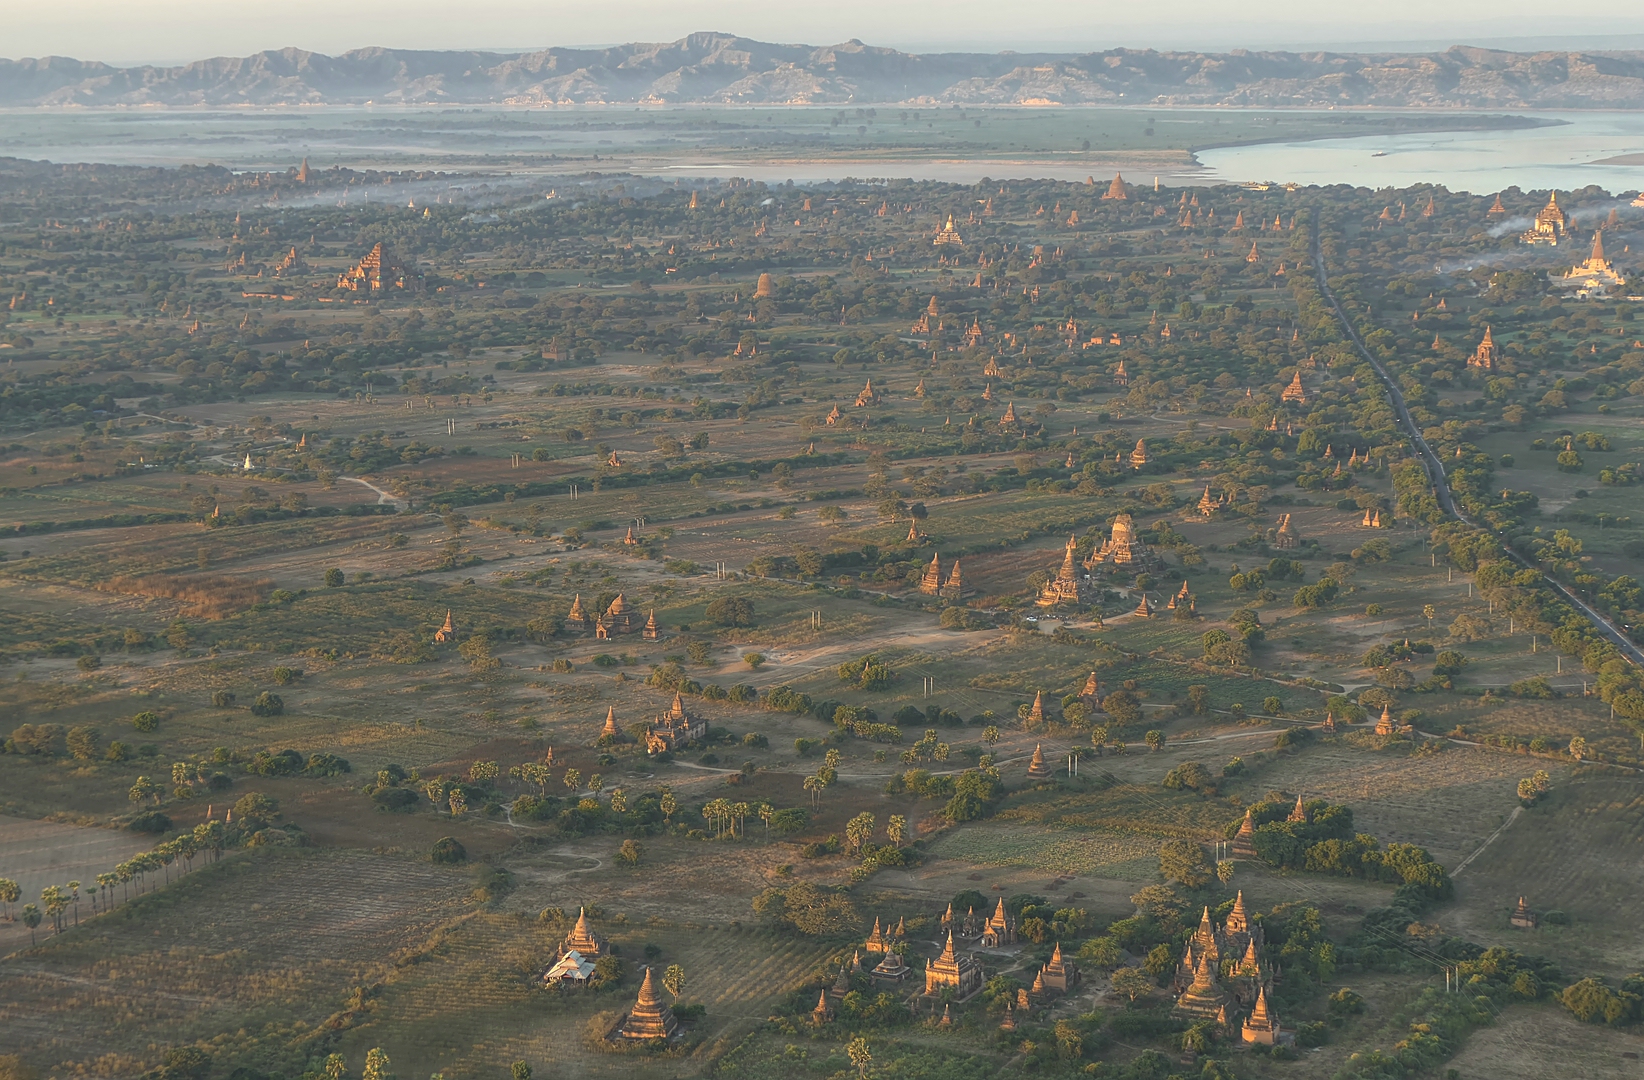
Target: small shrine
(1522, 917)
(1286, 538)
(1138, 456)
(577, 619)
(447, 632)
(1116, 190)
(649, 1018)
(1295, 392)
(1037, 769)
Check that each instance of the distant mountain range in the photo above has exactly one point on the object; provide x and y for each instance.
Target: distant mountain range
(725, 69)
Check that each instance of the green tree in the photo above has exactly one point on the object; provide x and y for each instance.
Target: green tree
(9, 895)
(31, 919)
(896, 829)
(142, 789)
(1183, 860)
(520, 1070)
(82, 743)
(1155, 740)
(376, 1065)
(673, 980)
(1132, 983)
(860, 1056)
(333, 578)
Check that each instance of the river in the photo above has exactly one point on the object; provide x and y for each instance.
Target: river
(1565, 153)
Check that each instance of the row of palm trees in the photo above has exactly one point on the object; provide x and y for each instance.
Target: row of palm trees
(56, 901)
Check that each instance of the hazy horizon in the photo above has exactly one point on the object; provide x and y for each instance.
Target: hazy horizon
(182, 31)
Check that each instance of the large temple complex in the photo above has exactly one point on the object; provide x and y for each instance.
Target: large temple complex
(1224, 971)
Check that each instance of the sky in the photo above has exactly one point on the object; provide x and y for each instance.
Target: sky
(176, 31)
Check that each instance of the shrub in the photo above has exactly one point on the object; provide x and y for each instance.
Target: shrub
(730, 611)
(89, 662)
(284, 676)
(448, 850)
(146, 721)
(333, 578)
(150, 821)
(222, 698)
(268, 704)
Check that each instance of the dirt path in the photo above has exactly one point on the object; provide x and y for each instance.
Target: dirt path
(1517, 810)
(383, 497)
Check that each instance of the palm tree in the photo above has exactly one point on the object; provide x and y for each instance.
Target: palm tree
(31, 919)
(814, 785)
(107, 881)
(74, 889)
(9, 893)
(766, 812)
(740, 810)
(55, 901)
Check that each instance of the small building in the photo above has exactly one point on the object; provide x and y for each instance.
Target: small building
(447, 632)
(891, 968)
(572, 969)
(576, 620)
(652, 631)
(1138, 456)
(868, 396)
(930, 583)
(1295, 392)
(619, 618)
(610, 730)
(1522, 917)
(1387, 725)
(1116, 190)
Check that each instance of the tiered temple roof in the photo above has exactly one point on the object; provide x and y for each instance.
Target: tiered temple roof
(953, 971)
(867, 396)
(378, 272)
(1122, 547)
(1286, 538)
(1486, 356)
(1550, 224)
(931, 582)
(577, 619)
(649, 1018)
(1244, 841)
(1262, 1025)
(583, 939)
(1204, 997)
(610, 730)
(1067, 587)
(446, 632)
(1059, 974)
(1116, 190)
(999, 929)
(1295, 391)
(1138, 456)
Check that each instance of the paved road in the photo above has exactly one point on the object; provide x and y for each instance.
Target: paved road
(1435, 468)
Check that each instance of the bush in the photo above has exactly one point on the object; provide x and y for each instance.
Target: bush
(267, 704)
(146, 721)
(151, 821)
(394, 798)
(222, 698)
(730, 611)
(448, 850)
(333, 578)
(89, 662)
